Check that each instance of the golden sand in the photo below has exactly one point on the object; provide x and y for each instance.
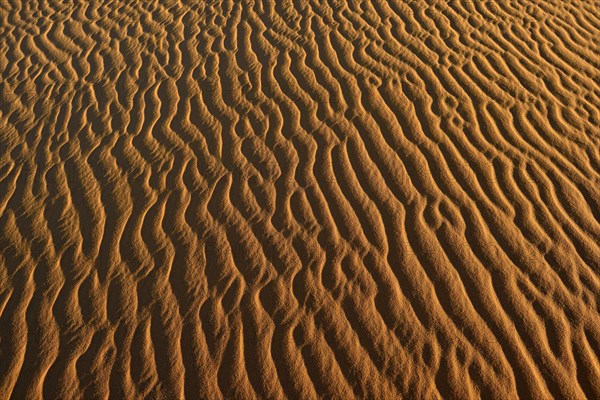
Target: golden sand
(299, 199)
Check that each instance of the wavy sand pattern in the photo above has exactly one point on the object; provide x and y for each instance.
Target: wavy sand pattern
(300, 199)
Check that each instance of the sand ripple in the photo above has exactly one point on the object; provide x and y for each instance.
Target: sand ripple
(300, 199)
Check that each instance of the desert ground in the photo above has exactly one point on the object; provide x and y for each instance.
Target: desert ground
(301, 199)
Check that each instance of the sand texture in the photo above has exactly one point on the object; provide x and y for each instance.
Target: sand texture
(301, 199)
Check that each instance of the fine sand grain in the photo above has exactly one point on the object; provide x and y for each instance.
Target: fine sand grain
(302, 199)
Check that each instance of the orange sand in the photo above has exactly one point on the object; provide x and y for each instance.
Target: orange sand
(299, 199)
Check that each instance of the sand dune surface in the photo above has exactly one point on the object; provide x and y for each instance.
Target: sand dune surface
(302, 199)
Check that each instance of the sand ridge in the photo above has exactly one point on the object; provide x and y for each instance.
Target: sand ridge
(300, 199)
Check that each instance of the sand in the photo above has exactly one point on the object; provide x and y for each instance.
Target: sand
(299, 199)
